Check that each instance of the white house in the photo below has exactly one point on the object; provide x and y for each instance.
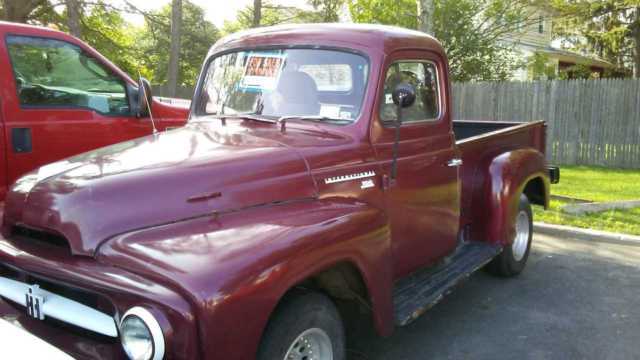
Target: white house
(536, 37)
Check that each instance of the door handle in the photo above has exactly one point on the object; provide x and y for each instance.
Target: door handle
(454, 162)
(21, 140)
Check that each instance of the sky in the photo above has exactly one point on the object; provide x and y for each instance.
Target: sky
(217, 11)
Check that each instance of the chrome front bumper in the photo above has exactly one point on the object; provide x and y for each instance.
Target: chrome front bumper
(25, 345)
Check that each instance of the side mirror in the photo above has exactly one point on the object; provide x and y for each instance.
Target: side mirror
(404, 95)
(145, 98)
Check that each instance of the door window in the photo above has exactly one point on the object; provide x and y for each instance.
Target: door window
(423, 76)
(54, 73)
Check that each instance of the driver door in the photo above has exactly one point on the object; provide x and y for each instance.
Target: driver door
(423, 203)
(68, 102)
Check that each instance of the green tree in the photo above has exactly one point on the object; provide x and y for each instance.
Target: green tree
(104, 28)
(327, 10)
(577, 71)
(609, 28)
(273, 14)
(399, 13)
(539, 67)
(98, 23)
(470, 31)
(21, 10)
(198, 35)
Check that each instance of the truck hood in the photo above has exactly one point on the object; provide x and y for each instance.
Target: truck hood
(164, 178)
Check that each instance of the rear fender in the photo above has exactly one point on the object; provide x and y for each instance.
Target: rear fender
(509, 174)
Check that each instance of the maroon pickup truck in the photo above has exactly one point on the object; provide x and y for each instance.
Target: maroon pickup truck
(320, 166)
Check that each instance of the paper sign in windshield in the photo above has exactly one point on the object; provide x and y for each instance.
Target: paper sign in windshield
(262, 71)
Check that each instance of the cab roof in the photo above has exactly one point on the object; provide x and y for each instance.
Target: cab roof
(363, 37)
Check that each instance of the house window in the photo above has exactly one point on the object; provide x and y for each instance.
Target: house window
(541, 24)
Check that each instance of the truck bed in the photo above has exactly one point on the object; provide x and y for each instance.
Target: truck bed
(481, 141)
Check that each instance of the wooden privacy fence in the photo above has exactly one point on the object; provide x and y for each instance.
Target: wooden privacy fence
(591, 122)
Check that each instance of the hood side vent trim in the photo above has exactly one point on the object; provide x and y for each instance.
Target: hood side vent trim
(23, 233)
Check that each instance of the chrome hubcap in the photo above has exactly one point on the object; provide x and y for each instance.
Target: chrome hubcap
(520, 243)
(313, 344)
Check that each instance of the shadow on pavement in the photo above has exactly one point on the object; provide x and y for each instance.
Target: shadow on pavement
(575, 300)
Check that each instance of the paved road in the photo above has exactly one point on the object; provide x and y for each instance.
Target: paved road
(575, 300)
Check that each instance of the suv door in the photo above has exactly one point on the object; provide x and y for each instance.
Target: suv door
(69, 102)
(3, 158)
(423, 204)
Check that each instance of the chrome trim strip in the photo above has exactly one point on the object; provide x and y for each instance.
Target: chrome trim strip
(337, 179)
(61, 308)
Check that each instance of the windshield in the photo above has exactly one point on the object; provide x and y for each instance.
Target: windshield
(285, 83)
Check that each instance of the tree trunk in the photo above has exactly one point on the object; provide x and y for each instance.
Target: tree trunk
(19, 10)
(636, 39)
(425, 16)
(174, 55)
(257, 13)
(73, 13)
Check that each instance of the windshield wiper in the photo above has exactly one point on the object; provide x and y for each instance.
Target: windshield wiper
(242, 116)
(315, 118)
(254, 117)
(280, 121)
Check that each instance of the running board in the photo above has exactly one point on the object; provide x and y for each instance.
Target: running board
(418, 292)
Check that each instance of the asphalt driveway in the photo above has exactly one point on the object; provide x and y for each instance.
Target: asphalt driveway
(575, 300)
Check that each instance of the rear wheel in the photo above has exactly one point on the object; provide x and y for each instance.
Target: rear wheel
(513, 258)
(306, 326)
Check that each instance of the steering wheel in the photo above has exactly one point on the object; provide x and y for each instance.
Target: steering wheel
(21, 80)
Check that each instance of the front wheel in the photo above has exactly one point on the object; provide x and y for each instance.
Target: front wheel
(306, 326)
(513, 258)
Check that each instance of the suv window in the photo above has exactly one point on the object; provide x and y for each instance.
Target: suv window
(423, 76)
(54, 73)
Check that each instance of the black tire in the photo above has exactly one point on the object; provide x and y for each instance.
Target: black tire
(301, 311)
(506, 264)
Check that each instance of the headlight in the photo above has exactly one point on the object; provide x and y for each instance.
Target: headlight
(141, 335)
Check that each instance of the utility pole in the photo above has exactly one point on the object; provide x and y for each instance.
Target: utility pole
(174, 55)
(257, 13)
(73, 12)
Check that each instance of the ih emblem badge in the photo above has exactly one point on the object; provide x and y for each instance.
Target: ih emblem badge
(34, 302)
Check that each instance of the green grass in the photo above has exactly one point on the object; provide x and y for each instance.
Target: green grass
(595, 184)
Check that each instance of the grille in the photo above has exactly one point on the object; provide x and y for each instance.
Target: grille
(84, 297)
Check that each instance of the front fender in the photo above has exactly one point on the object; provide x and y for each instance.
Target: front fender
(236, 267)
(508, 175)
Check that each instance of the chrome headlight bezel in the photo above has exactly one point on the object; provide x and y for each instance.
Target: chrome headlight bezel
(157, 336)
